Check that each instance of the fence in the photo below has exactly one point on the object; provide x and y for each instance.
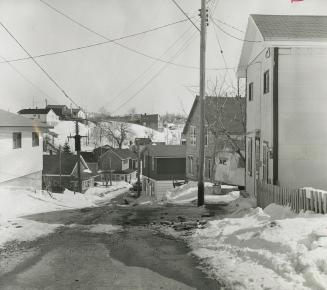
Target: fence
(297, 199)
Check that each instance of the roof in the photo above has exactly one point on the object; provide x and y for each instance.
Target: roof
(34, 111)
(224, 113)
(89, 157)
(8, 119)
(51, 164)
(150, 118)
(123, 153)
(57, 106)
(174, 151)
(291, 27)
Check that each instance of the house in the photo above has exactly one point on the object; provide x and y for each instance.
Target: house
(284, 65)
(61, 171)
(46, 115)
(92, 163)
(224, 150)
(61, 110)
(21, 150)
(122, 163)
(78, 113)
(162, 165)
(152, 121)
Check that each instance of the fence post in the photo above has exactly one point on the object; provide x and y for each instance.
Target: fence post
(325, 203)
(312, 201)
(320, 201)
(316, 201)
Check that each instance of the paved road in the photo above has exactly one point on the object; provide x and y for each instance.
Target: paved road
(134, 257)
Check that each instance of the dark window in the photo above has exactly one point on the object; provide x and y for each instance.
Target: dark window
(266, 82)
(17, 140)
(190, 164)
(208, 168)
(193, 135)
(250, 156)
(35, 139)
(250, 91)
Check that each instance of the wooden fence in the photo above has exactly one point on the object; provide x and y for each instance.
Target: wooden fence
(297, 199)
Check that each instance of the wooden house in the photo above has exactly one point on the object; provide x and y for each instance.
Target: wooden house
(284, 64)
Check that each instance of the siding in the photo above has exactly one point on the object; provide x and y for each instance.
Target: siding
(303, 118)
(19, 162)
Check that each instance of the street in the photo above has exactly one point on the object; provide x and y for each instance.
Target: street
(134, 255)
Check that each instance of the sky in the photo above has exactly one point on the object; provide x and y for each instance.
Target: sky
(110, 76)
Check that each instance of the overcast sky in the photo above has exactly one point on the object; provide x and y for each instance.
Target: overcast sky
(96, 76)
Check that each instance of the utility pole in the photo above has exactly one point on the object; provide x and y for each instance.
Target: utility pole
(138, 170)
(77, 139)
(204, 22)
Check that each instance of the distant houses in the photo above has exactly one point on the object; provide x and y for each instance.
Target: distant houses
(284, 65)
(162, 166)
(21, 151)
(51, 114)
(224, 140)
(46, 115)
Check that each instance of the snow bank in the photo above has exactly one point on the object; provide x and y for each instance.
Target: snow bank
(222, 199)
(103, 228)
(24, 230)
(189, 192)
(263, 251)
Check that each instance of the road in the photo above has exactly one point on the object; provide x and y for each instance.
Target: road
(136, 256)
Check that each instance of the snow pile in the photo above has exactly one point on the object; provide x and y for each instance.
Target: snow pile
(189, 193)
(222, 199)
(103, 228)
(262, 251)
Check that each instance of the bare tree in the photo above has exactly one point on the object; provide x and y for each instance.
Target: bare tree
(219, 121)
(116, 133)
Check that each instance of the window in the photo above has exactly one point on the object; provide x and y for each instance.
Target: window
(223, 161)
(17, 140)
(266, 82)
(250, 92)
(35, 139)
(250, 156)
(193, 135)
(190, 164)
(206, 136)
(152, 163)
(208, 168)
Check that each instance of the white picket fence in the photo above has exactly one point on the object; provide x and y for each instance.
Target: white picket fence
(297, 199)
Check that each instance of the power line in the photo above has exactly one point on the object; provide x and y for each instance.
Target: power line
(40, 67)
(25, 78)
(108, 40)
(157, 74)
(229, 25)
(230, 35)
(188, 17)
(148, 68)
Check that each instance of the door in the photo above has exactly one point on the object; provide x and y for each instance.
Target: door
(265, 160)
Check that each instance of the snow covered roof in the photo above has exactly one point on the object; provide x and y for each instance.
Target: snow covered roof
(8, 119)
(177, 151)
(291, 27)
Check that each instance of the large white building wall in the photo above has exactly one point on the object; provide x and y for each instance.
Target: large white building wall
(20, 162)
(303, 117)
(259, 114)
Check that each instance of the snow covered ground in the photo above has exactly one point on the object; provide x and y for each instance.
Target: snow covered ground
(189, 193)
(17, 202)
(266, 249)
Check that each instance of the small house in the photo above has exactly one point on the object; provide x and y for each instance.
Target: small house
(46, 115)
(61, 171)
(122, 163)
(162, 166)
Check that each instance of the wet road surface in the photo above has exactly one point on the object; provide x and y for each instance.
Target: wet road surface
(136, 256)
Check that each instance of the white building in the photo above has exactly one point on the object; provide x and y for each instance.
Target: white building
(284, 62)
(46, 115)
(20, 151)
